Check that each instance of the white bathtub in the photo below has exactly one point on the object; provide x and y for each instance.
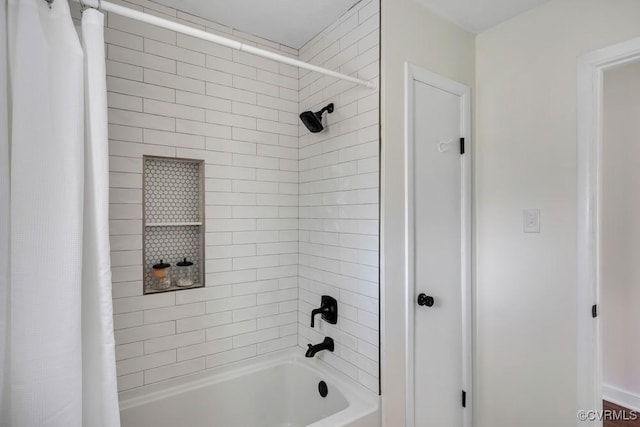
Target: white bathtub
(275, 390)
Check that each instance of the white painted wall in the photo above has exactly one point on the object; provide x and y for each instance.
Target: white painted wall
(621, 229)
(526, 158)
(339, 188)
(410, 32)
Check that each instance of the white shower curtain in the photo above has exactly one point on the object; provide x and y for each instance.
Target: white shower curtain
(59, 362)
(100, 404)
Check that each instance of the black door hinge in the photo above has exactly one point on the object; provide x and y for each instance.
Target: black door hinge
(594, 310)
(464, 399)
(461, 145)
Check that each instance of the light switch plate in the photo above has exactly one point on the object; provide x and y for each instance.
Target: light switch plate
(531, 220)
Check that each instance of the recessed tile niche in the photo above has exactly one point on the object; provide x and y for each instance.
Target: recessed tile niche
(173, 213)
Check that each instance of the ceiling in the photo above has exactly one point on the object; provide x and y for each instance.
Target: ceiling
(478, 15)
(288, 22)
(295, 22)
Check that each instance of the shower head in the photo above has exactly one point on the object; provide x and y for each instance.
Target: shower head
(313, 121)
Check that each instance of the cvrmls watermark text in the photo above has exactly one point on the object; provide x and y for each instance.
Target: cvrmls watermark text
(607, 415)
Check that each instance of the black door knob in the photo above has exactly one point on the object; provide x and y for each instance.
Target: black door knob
(425, 300)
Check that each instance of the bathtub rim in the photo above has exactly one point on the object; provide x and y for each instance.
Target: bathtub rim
(361, 401)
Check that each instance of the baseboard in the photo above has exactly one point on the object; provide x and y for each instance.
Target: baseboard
(621, 397)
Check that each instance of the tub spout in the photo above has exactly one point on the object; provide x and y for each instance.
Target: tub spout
(327, 344)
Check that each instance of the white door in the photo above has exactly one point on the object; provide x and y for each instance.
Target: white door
(440, 258)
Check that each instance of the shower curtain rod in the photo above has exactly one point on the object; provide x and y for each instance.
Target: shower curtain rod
(194, 32)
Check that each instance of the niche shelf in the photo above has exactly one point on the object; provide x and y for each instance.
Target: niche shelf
(173, 228)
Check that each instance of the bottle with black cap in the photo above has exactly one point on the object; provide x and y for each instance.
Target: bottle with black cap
(161, 276)
(184, 274)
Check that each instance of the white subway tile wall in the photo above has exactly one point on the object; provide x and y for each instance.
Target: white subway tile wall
(176, 96)
(289, 216)
(338, 194)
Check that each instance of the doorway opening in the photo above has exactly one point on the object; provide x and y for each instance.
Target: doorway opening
(620, 245)
(596, 236)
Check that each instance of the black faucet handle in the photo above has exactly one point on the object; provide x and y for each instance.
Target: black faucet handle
(328, 309)
(313, 315)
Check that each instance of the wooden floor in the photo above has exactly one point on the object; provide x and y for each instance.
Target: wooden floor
(617, 422)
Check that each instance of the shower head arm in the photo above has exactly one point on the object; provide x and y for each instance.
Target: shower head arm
(328, 108)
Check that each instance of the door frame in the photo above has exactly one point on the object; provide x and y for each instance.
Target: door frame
(413, 74)
(591, 69)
